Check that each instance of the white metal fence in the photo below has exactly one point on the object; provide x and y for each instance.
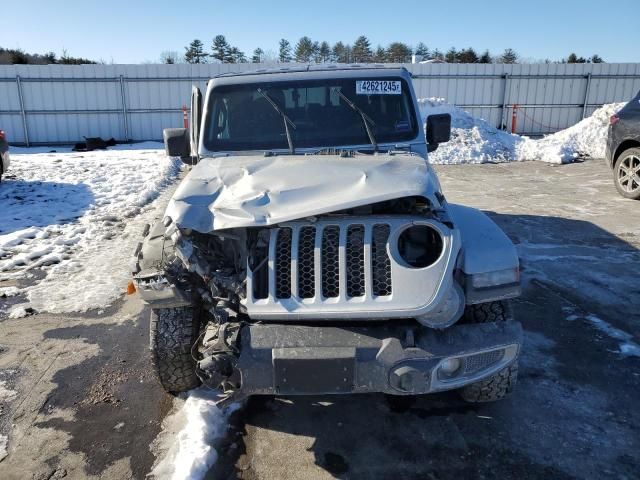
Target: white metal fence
(48, 104)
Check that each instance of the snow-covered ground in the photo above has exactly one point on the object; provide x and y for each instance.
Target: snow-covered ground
(185, 447)
(473, 140)
(69, 223)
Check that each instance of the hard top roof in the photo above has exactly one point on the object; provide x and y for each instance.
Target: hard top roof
(309, 72)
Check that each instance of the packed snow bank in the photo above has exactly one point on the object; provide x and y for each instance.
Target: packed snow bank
(473, 140)
(4, 441)
(188, 434)
(585, 139)
(77, 217)
(6, 395)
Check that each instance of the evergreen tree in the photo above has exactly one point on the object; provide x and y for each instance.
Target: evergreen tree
(18, 57)
(236, 56)
(315, 52)
(380, 55)
(596, 59)
(348, 53)
(195, 52)
(509, 56)
(361, 50)
(467, 55)
(398, 52)
(284, 52)
(437, 55)
(573, 58)
(221, 49)
(485, 57)
(340, 54)
(66, 59)
(50, 58)
(258, 55)
(452, 55)
(9, 56)
(304, 50)
(325, 52)
(422, 50)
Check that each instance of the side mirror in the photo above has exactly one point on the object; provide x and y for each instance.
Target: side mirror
(438, 130)
(177, 144)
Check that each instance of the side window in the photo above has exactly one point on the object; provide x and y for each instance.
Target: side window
(316, 96)
(289, 100)
(220, 119)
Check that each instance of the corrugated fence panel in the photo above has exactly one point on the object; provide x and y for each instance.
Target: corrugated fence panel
(9, 102)
(63, 103)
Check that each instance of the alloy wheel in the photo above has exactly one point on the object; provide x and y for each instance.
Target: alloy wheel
(629, 174)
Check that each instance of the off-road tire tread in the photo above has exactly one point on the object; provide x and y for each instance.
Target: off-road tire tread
(172, 332)
(488, 312)
(493, 388)
(501, 384)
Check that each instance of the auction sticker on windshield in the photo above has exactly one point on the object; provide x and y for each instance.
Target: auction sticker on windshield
(378, 87)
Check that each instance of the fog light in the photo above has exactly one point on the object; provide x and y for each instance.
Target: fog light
(449, 366)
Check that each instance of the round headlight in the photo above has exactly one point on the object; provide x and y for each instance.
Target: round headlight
(420, 246)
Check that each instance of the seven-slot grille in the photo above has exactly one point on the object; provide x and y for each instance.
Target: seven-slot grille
(329, 261)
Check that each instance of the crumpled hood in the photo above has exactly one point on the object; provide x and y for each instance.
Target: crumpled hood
(243, 191)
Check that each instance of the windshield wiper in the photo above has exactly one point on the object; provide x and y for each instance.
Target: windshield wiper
(285, 118)
(365, 118)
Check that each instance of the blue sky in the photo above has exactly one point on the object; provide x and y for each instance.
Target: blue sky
(139, 30)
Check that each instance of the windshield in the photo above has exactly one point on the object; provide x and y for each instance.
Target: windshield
(243, 117)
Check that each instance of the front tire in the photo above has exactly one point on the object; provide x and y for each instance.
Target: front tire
(501, 384)
(626, 174)
(172, 333)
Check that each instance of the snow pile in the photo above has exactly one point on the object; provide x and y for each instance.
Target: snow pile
(6, 394)
(473, 140)
(77, 217)
(188, 434)
(585, 139)
(6, 292)
(4, 441)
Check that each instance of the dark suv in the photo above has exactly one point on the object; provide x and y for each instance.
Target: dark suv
(623, 149)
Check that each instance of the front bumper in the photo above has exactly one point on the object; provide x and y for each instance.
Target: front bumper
(398, 360)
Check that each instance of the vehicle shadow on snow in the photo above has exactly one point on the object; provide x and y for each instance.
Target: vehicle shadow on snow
(542, 431)
(25, 204)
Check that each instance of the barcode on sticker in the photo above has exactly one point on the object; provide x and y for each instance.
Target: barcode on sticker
(378, 87)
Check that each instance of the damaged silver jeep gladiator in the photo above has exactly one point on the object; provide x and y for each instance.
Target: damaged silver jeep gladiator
(310, 249)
